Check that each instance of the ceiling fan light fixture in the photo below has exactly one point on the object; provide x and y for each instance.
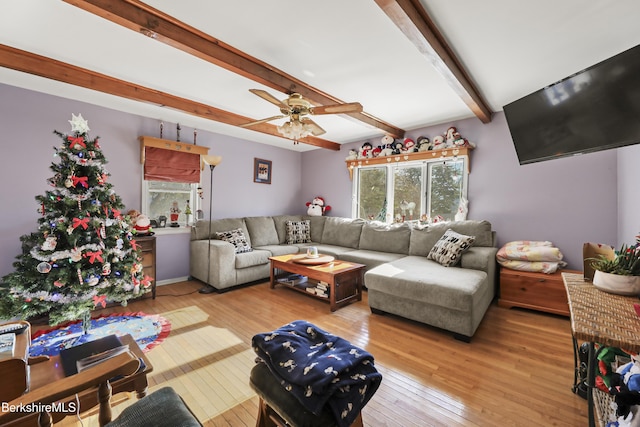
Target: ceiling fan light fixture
(295, 129)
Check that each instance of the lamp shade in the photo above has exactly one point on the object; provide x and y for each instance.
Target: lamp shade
(212, 160)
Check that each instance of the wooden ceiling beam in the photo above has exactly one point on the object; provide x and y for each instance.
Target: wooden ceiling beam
(140, 17)
(416, 24)
(31, 63)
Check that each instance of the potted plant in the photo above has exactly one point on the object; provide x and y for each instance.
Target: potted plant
(621, 273)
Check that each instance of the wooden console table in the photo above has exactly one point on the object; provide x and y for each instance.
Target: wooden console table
(605, 319)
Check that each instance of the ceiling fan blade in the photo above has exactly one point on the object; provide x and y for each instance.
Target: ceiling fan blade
(268, 97)
(351, 107)
(246, 125)
(315, 128)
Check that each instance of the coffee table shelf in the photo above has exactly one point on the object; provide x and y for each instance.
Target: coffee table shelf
(344, 279)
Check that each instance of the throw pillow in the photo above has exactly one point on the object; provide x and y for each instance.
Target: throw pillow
(236, 238)
(298, 232)
(450, 247)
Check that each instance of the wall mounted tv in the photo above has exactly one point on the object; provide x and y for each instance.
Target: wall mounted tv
(595, 109)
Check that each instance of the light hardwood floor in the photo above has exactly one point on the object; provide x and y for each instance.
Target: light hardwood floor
(517, 371)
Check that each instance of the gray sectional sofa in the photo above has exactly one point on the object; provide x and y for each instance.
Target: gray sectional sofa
(399, 278)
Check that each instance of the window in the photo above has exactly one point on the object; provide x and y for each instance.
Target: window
(158, 199)
(410, 190)
(170, 181)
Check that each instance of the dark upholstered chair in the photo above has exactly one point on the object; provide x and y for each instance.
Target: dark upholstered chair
(278, 406)
(163, 407)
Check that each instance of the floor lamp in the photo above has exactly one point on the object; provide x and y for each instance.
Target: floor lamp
(212, 161)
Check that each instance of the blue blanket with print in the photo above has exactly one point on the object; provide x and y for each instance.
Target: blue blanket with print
(319, 368)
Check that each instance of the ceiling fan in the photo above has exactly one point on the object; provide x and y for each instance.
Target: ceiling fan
(296, 108)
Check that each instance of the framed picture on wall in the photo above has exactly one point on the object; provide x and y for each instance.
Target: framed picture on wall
(262, 171)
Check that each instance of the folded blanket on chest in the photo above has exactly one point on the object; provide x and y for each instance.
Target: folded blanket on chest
(319, 368)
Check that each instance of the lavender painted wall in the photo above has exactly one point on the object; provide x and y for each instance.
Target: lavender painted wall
(27, 120)
(628, 194)
(567, 201)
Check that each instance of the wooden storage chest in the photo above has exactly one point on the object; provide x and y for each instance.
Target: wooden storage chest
(535, 291)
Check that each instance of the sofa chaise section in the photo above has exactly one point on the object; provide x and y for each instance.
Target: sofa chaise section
(452, 298)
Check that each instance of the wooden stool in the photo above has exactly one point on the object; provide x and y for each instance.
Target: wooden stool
(279, 408)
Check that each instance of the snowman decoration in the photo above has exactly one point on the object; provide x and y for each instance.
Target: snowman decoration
(317, 207)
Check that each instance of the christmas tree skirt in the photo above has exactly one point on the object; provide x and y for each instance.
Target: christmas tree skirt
(146, 329)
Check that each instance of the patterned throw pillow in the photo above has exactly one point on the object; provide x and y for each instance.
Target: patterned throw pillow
(236, 238)
(450, 247)
(298, 232)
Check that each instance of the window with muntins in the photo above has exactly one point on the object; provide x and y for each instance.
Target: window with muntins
(410, 191)
(160, 199)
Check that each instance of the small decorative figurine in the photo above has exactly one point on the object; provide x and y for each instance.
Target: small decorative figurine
(174, 213)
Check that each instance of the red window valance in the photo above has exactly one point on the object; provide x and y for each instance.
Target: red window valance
(171, 161)
(171, 166)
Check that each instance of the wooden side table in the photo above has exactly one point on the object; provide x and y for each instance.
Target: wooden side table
(148, 248)
(603, 318)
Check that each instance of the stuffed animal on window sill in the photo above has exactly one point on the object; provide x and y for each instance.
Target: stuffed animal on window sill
(365, 151)
(410, 146)
(398, 147)
(387, 145)
(353, 155)
(424, 144)
(454, 139)
(317, 207)
(438, 142)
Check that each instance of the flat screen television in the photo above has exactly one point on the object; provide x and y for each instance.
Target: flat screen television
(594, 109)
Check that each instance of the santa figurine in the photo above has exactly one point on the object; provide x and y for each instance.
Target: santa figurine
(317, 207)
(142, 225)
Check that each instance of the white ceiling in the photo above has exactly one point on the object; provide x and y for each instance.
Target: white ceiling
(347, 48)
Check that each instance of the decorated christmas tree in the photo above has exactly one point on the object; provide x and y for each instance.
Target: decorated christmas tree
(84, 253)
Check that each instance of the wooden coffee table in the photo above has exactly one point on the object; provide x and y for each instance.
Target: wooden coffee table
(344, 279)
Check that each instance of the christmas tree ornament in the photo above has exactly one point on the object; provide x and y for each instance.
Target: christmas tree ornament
(76, 142)
(58, 284)
(93, 280)
(106, 269)
(43, 267)
(68, 182)
(49, 243)
(78, 124)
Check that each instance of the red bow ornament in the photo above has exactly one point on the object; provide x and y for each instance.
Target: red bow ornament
(82, 180)
(77, 222)
(146, 282)
(93, 256)
(134, 245)
(76, 142)
(101, 300)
